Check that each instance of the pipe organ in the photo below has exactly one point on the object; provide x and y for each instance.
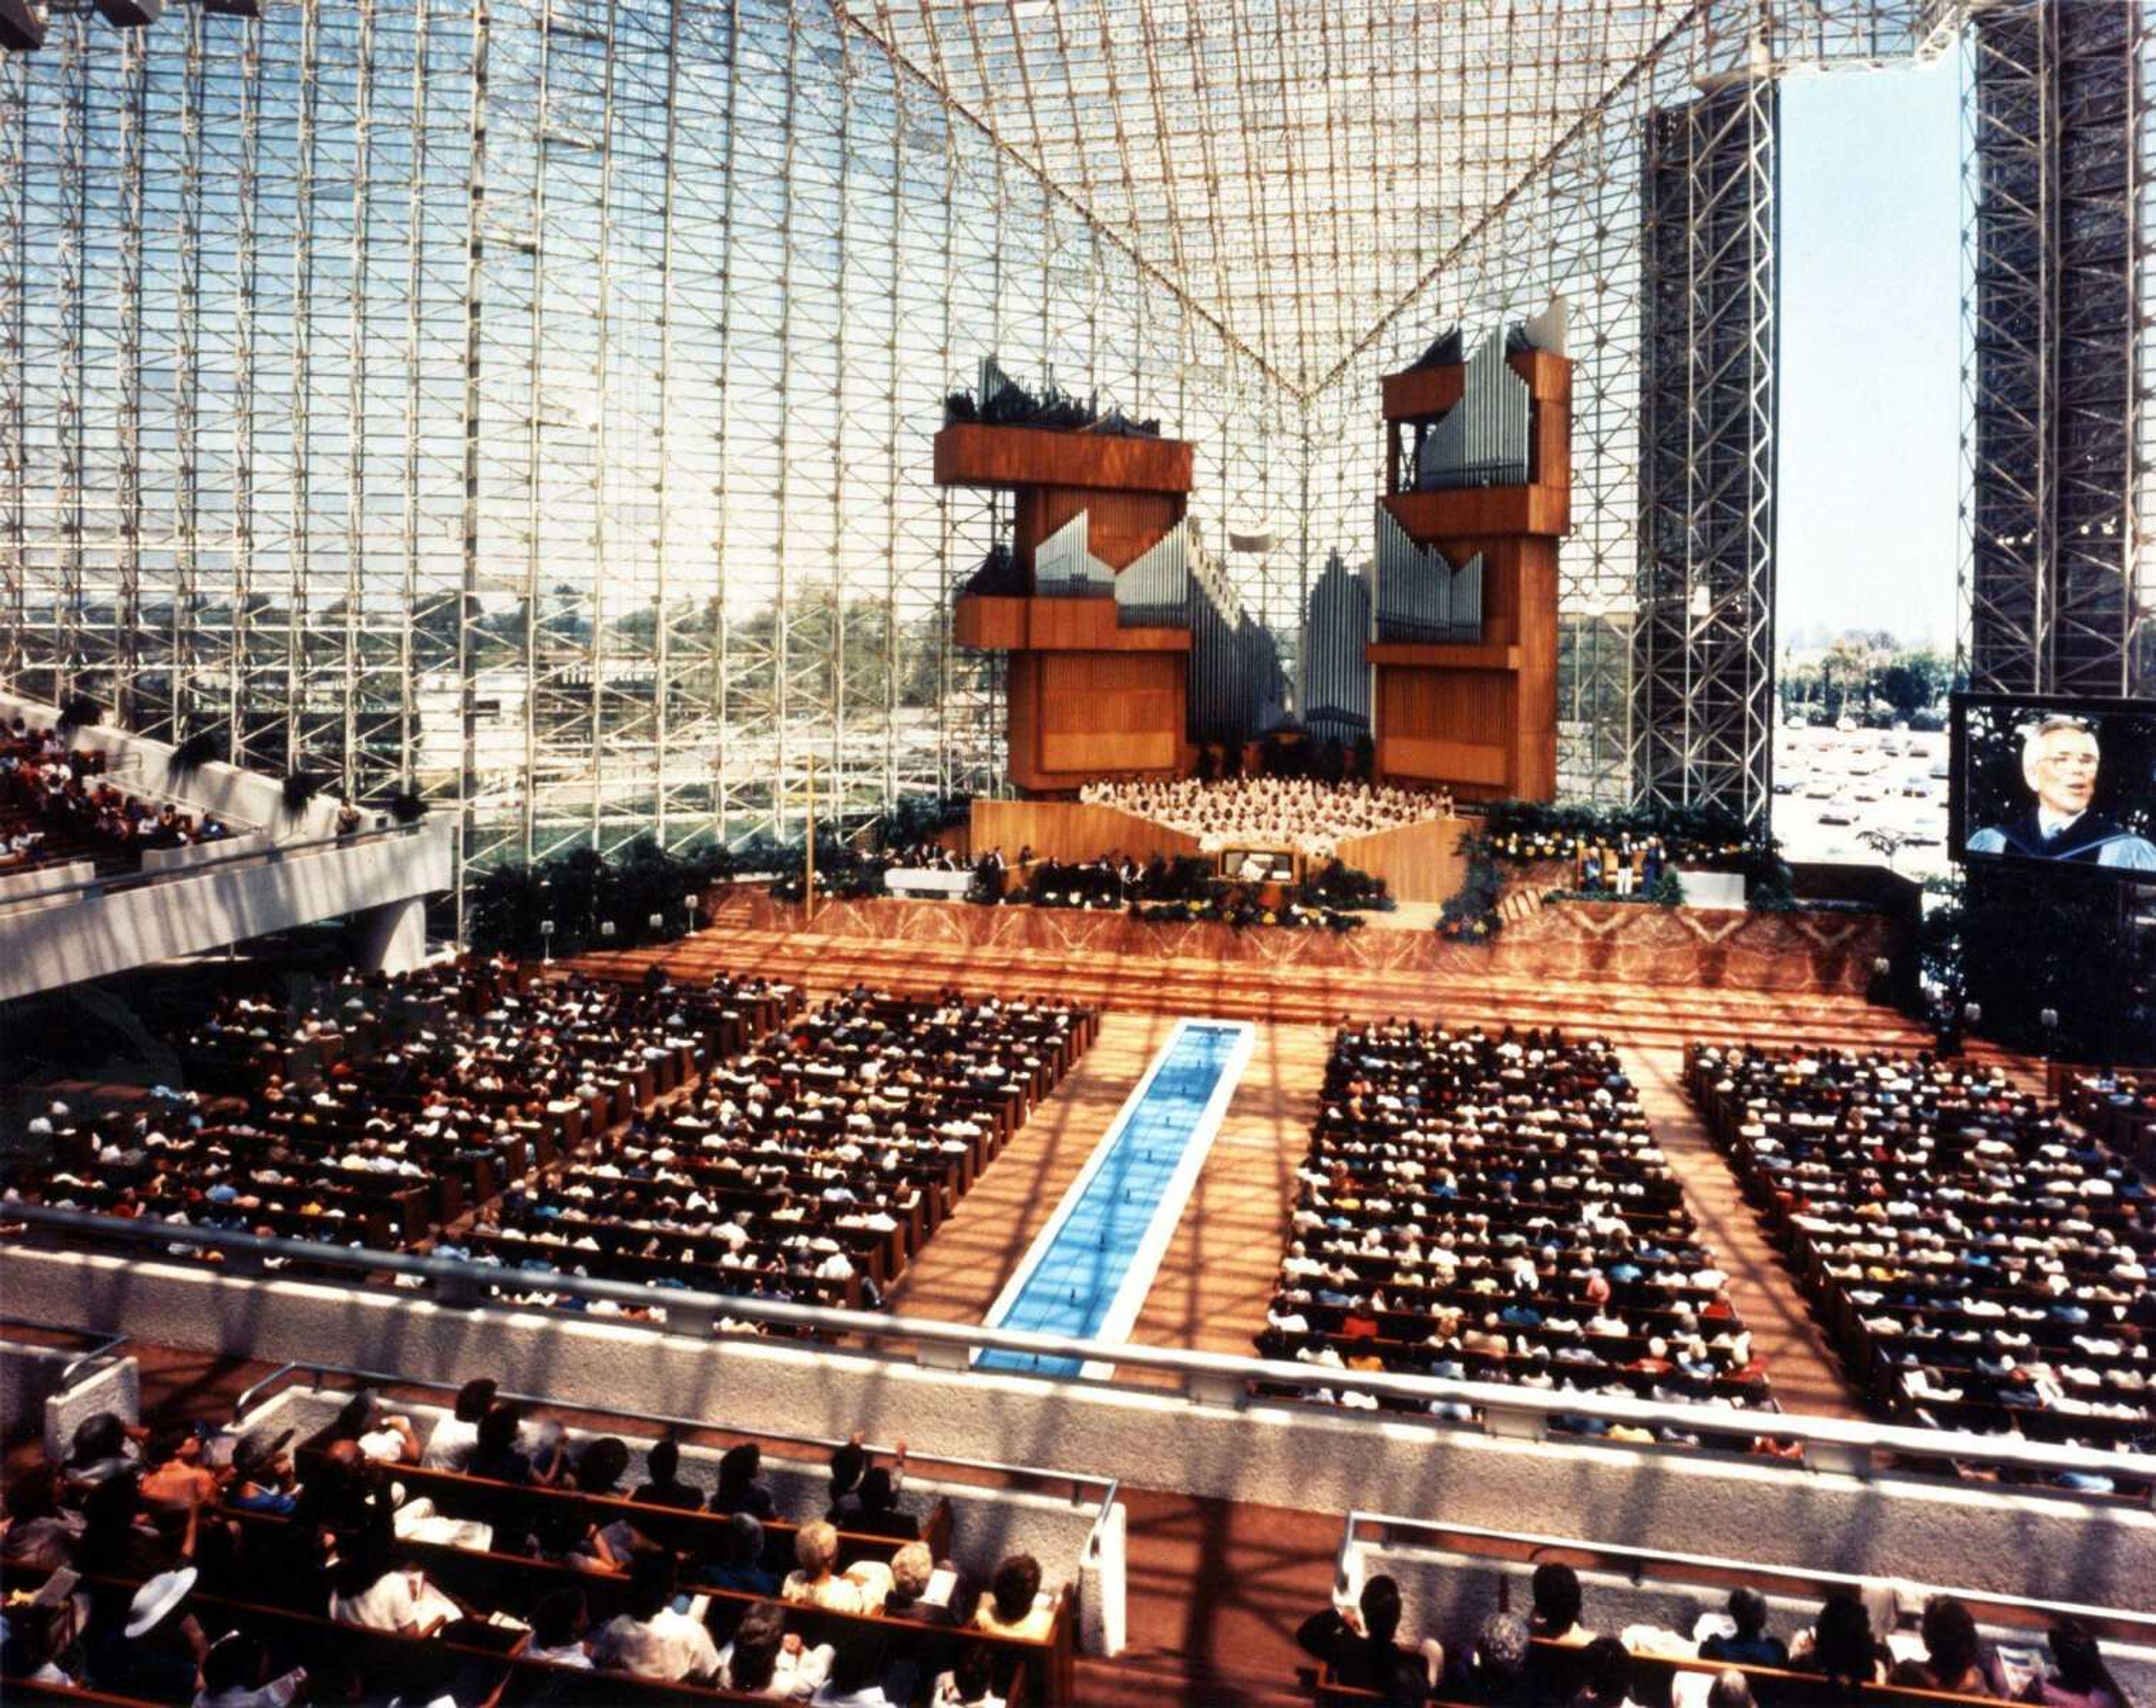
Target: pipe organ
(1335, 670)
(1482, 441)
(1127, 644)
(1462, 648)
(1421, 598)
(1236, 684)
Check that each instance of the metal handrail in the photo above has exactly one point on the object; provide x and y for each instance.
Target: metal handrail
(2127, 1623)
(1110, 1487)
(666, 1419)
(111, 1344)
(1839, 1444)
(275, 854)
(103, 1345)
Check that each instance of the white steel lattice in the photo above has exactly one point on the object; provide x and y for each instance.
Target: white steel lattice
(528, 401)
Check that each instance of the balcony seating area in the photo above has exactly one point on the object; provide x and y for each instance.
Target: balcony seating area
(57, 806)
(492, 1550)
(1495, 1616)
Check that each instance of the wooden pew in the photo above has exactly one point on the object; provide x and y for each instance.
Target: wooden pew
(332, 1651)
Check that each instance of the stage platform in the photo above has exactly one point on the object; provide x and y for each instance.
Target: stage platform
(1419, 862)
(1597, 955)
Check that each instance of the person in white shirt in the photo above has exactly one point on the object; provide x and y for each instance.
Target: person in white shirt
(380, 1436)
(367, 1587)
(861, 1589)
(766, 1659)
(558, 1623)
(231, 1676)
(969, 1685)
(449, 1447)
(1014, 1605)
(650, 1637)
(857, 1676)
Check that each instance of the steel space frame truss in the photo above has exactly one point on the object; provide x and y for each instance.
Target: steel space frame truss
(2060, 594)
(527, 401)
(1703, 640)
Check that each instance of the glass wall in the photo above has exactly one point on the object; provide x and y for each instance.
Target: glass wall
(529, 402)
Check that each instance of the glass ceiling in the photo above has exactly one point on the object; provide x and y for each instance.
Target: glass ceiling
(1299, 172)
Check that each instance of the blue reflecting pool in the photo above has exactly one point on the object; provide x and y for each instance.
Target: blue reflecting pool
(1121, 1210)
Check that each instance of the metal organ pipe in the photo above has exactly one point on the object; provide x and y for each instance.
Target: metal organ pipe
(1483, 440)
(1153, 591)
(1235, 682)
(1064, 566)
(1421, 598)
(1336, 673)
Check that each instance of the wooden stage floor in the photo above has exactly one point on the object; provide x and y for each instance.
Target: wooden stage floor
(826, 961)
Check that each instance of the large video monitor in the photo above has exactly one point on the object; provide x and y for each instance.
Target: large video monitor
(2049, 782)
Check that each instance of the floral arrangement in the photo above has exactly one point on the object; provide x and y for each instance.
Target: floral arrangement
(1240, 913)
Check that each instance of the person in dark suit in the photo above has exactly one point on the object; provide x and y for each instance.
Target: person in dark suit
(2060, 759)
(1360, 1649)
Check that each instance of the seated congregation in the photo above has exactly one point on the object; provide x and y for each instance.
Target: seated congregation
(850, 1134)
(1494, 1208)
(1862, 1645)
(1981, 1265)
(379, 1111)
(716, 1138)
(57, 804)
(492, 1553)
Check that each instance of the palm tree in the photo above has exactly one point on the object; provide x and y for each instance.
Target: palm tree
(1850, 663)
(1888, 842)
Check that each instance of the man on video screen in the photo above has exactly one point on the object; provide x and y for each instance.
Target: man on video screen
(2059, 762)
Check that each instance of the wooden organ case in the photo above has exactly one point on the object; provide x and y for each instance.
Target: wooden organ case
(1464, 623)
(1097, 631)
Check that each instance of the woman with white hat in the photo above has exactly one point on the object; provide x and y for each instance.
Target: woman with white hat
(146, 1645)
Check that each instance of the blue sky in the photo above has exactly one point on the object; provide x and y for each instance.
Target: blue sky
(1870, 404)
